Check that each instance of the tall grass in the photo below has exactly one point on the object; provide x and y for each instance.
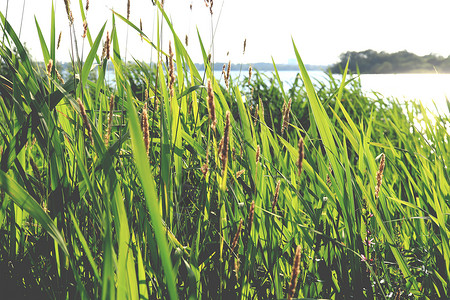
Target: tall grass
(108, 219)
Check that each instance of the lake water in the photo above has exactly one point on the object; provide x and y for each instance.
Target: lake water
(431, 89)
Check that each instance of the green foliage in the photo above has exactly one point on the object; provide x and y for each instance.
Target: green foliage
(82, 216)
(373, 62)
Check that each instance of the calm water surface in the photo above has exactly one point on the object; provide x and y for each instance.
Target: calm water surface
(431, 89)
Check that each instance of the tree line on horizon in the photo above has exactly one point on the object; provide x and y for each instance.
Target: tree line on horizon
(373, 62)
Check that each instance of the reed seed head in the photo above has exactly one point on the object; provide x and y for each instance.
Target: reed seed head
(87, 5)
(224, 67)
(245, 46)
(59, 76)
(69, 11)
(106, 46)
(211, 106)
(255, 114)
(171, 72)
(227, 78)
(328, 176)
(205, 167)
(86, 123)
(380, 175)
(209, 3)
(301, 155)
(110, 117)
(59, 40)
(286, 114)
(186, 40)
(239, 173)
(236, 268)
(236, 236)
(128, 10)
(275, 197)
(144, 127)
(50, 67)
(249, 74)
(295, 272)
(258, 153)
(84, 29)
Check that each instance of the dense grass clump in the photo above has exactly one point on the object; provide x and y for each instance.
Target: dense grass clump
(170, 184)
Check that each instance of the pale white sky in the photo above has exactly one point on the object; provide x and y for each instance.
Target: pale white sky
(322, 29)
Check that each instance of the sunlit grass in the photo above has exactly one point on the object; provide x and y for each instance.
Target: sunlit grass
(102, 219)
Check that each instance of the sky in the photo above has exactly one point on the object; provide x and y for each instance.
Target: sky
(321, 29)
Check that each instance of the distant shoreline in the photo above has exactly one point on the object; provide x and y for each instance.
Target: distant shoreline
(264, 67)
(268, 67)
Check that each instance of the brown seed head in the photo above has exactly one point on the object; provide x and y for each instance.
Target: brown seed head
(106, 46)
(255, 114)
(239, 173)
(380, 175)
(224, 71)
(86, 123)
(258, 153)
(171, 72)
(211, 3)
(328, 176)
(227, 78)
(144, 127)
(84, 29)
(59, 40)
(236, 236)
(50, 67)
(245, 45)
(205, 167)
(69, 11)
(87, 5)
(301, 155)
(59, 76)
(295, 272)
(275, 197)
(110, 117)
(186, 40)
(211, 106)
(286, 113)
(236, 268)
(128, 10)
(249, 74)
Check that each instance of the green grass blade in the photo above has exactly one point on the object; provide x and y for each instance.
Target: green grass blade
(150, 193)
(44, 47)
(92, 54)
(22, 199)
